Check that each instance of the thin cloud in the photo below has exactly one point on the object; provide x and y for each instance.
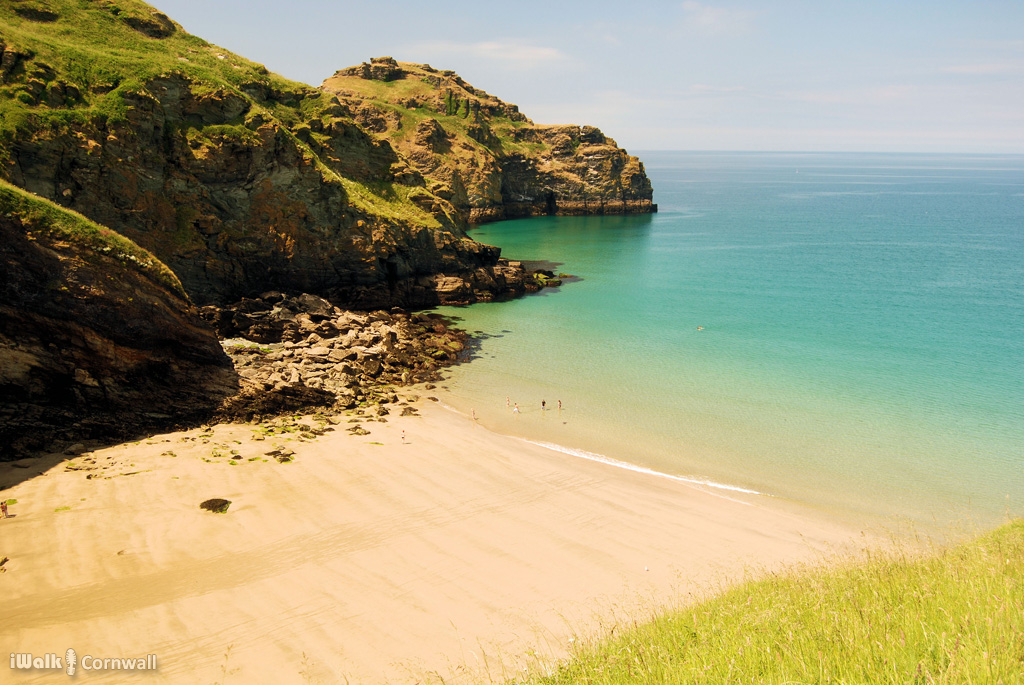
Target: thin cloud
(613, 111)
(605, 32)
(827, 138)
(853, 96)
(704, 89)
(994, 69)
(717, 21)
(1015, 45)
(511, 53)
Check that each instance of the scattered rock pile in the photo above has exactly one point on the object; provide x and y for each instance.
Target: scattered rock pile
(298, 352)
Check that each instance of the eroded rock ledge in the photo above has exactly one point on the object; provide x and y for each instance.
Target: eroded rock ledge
(503, 280)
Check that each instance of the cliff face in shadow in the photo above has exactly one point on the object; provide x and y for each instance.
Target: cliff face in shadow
(97, 338)
(482, 154)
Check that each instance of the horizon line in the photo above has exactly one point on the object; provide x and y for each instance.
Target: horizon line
(832, 152)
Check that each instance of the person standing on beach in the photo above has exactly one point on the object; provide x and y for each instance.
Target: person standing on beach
(515, 410)
(3, 508)
(559, 405)
(543, 405)
(506, 401)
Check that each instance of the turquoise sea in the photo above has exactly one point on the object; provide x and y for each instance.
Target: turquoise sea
(841, 330)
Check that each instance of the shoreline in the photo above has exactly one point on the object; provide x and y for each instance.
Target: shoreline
(578, 430)
(580, 453)
(456, 552)
(501, 423)
(879, 527)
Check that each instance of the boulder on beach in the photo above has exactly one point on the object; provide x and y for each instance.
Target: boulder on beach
(216, 505)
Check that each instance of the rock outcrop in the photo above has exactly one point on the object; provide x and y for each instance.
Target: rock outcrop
(97, 338)
(216, 505)
(482, 154)
(297, 353)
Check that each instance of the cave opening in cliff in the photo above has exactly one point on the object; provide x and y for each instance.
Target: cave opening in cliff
(552, 206)
(390, 267)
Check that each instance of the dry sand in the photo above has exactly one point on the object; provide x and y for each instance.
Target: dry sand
(458, 553)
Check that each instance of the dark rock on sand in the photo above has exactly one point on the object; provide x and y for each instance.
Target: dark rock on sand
(216, 505)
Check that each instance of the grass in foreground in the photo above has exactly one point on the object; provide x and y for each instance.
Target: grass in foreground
(954, 617)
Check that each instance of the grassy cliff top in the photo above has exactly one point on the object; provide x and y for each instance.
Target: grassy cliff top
(413, 93)
(42, 218)
(82, 54)
(386, 80)
(70, 63)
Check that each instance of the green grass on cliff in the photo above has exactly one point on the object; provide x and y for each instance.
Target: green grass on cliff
(417, 86)
(91, 46)
(86, 62)
(40, 216)
(953, 617)
(93, 60)
(391, 200)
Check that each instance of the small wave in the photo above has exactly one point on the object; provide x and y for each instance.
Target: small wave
(593, 456)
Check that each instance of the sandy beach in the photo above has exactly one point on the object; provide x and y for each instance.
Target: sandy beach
(457, 553)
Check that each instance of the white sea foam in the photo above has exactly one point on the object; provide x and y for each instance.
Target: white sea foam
(593, 456)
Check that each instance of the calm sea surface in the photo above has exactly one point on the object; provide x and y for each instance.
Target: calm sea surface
(843, 330)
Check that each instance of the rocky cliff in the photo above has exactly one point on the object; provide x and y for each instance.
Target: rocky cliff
(482, 154)
(151, 171)
(239, 180)
(242, 181)
(97, 338)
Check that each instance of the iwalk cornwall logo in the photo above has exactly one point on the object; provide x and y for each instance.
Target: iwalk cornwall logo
(71, 664)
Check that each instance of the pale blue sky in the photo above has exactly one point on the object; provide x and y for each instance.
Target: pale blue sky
(683, 75)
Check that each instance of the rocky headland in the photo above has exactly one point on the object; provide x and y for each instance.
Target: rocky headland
(154, 175)
(483, 155)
